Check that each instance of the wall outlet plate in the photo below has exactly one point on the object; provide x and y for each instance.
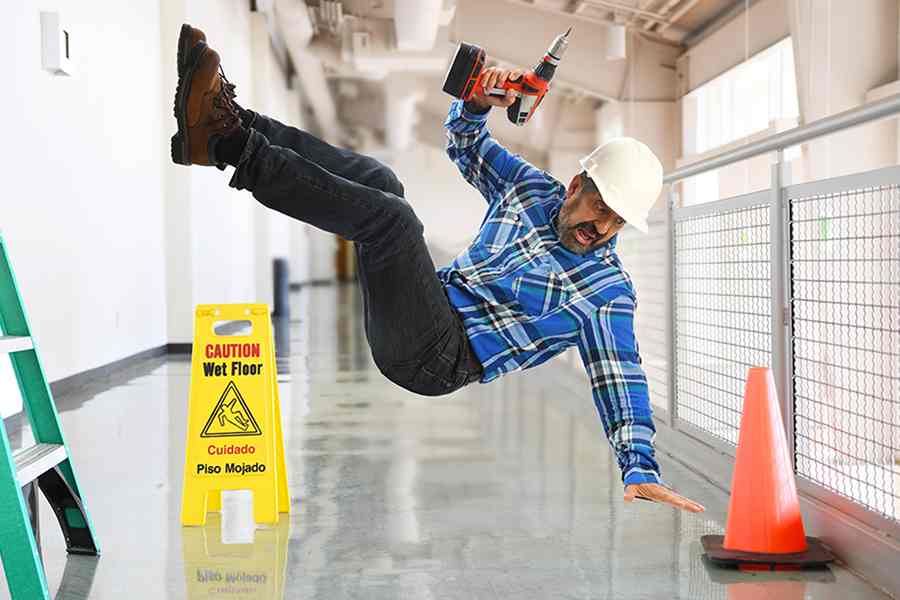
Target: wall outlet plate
(56, 45)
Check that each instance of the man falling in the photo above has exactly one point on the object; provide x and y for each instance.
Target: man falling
(541, 276)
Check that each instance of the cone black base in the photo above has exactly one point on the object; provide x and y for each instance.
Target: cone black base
(815, 556)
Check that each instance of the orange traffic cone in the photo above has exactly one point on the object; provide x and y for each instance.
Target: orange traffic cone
(764, 523)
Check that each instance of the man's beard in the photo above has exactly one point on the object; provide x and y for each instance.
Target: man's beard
(569, 239)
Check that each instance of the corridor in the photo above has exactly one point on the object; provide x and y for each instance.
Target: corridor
(503, 490)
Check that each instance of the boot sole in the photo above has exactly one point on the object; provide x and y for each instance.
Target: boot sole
(180, 142)
(184, 39)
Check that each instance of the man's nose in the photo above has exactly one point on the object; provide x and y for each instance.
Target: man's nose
(603, 226)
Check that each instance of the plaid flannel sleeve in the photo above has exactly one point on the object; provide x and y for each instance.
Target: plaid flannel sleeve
(483, 162)
(609, 352)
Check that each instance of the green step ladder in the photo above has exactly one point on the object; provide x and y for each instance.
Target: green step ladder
(46, 464)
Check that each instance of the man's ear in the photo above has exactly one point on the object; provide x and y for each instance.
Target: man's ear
(574, 185)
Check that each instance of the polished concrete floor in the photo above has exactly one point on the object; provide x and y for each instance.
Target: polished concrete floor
(505, 490)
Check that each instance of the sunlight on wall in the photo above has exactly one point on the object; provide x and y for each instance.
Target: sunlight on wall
(747, 100)
(742, 101)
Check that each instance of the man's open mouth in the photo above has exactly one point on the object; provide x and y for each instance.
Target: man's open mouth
(586, 234)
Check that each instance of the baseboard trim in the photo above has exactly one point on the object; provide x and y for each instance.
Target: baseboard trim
(78, 381)
(299, 285)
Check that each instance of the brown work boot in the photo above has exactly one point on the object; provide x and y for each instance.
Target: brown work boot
(189, 38)
(203, 108)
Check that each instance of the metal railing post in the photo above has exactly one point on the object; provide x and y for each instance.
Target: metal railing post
(670, 287)
(787, 396)
(777, 257)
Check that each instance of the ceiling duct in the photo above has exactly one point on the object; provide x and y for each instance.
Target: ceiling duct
(400, 118)
(416, 23)
(295, 26)
(615, 41)
(328, 16)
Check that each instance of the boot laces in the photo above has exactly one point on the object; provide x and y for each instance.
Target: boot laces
(227, 86)
(224, 100)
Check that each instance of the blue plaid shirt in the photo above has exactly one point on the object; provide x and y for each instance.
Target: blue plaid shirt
(524, 298)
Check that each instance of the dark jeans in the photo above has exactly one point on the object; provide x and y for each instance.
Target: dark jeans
(417, 338)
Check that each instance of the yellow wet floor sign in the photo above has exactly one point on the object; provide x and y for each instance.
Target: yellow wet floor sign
(234, 437)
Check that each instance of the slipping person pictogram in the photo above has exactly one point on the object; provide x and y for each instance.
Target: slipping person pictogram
(542, 275)
(230, 416)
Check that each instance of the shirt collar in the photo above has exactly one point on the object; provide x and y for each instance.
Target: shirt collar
(601, 251)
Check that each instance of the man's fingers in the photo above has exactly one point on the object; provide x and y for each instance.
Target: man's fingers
(680, 501)
(659, 493)
(493, 79)
(496, 77)
(693, 506)
(486, 81)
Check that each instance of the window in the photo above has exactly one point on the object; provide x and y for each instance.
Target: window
(742, 101)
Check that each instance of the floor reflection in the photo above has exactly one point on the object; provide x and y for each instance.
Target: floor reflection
(766, 585)
(78, 577)
(223, 564)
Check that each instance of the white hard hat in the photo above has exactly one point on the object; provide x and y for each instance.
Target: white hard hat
(628, 176)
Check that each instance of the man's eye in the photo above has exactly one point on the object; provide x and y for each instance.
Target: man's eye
(620, 221)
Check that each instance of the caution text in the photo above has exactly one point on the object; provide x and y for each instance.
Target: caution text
(232, 351)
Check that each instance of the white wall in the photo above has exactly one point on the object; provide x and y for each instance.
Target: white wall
(734, 42)
(223, 217)
(837, 66)
(220, 241)
(270, 227)
(113, 245)
(82, 207)
(450, 208)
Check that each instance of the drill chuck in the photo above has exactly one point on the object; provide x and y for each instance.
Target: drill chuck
(559, 45)
(547, 67)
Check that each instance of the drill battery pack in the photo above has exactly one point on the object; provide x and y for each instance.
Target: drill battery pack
(464, 71)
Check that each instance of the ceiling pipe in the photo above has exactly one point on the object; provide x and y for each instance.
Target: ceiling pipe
(296, 28)
(676, 16)
(633, 20)
(662, 11)
(615, 6)
(650, 35)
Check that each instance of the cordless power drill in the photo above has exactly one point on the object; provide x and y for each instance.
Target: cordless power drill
(467, 67)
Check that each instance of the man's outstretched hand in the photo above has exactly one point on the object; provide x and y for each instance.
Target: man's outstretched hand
(659, 493)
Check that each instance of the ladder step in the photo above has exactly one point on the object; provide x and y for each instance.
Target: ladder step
(34, 461)
(9, 343)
